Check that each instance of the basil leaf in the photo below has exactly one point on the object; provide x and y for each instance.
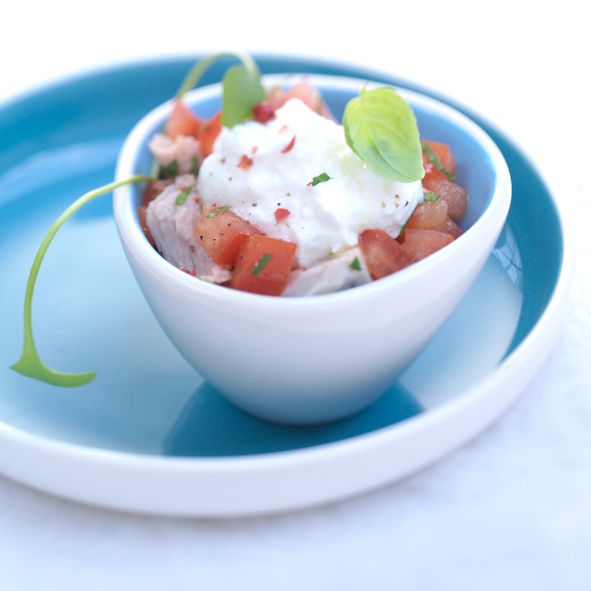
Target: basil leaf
(430, 196)
(381, 129)
(242, 92)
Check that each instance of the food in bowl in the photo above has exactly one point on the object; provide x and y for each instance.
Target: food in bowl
(281, 203)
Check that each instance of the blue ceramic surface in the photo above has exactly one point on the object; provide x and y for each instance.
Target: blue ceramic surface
(89, 314)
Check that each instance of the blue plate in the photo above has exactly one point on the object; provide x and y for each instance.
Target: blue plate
(90, 315)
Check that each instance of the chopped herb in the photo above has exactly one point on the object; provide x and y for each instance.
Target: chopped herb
(261, 264)
(434, 160)
(171, 170)
(355, 264)
(224, 208)
(182, 197)
(321, 178)
(195, 166)
(212, 214)
(430, 196)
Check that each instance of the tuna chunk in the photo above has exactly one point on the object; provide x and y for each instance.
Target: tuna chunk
(171, 218)
(183, 149)
(334, 274)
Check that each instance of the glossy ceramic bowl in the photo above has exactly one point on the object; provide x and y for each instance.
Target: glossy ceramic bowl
(316, 359)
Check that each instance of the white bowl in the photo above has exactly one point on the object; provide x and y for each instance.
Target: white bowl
(316, 359)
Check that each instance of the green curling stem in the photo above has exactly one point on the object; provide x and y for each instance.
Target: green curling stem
(194, 75)
(30, 363)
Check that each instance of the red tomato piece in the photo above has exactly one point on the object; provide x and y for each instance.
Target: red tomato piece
(452, 229)
(281, 213)
(245, 162)
(421, 243)
(431, 215)
(222, 234)
(303, 91)
(289, 147)
(209, 133)
(443, 152)
(263, 112)
(382, 254)
(182, 121)
(263, 265)
(453, 194)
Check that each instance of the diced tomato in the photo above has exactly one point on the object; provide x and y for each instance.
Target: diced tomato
(263, 265)
(443, 152)
(421, 243)
(263, 112)
(281, 214)
(452, 229)
(303, 91)
(142, 213)
(245, 162)
(289, 146)
(222, 234)
(382, 254)
(182, 121)
(153, 189)
(453, 194)
(208, 134)
(431, 215)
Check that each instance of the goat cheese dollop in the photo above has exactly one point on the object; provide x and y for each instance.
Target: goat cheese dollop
(258, 168)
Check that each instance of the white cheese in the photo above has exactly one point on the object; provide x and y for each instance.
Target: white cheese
(324, 219)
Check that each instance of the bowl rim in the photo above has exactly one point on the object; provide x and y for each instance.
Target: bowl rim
(131, 234)
(29, 447)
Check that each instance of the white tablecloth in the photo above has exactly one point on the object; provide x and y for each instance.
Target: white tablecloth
(511, 510)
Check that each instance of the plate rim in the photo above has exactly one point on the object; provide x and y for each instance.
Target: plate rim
(539, 336)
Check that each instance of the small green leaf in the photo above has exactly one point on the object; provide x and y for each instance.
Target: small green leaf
(430, 196)
(171, 170)
(30, 363)
(434, 160)
(224, 208)
(242, 92)
(182, 197)
(321, 178)
(194, 166)
(355, 264)
(261, 264)
(381, 129)
(212, 214)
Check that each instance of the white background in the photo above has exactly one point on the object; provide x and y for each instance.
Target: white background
(512, 510)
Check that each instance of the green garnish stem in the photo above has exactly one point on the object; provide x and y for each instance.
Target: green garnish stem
(30, 363)
(201, 67)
